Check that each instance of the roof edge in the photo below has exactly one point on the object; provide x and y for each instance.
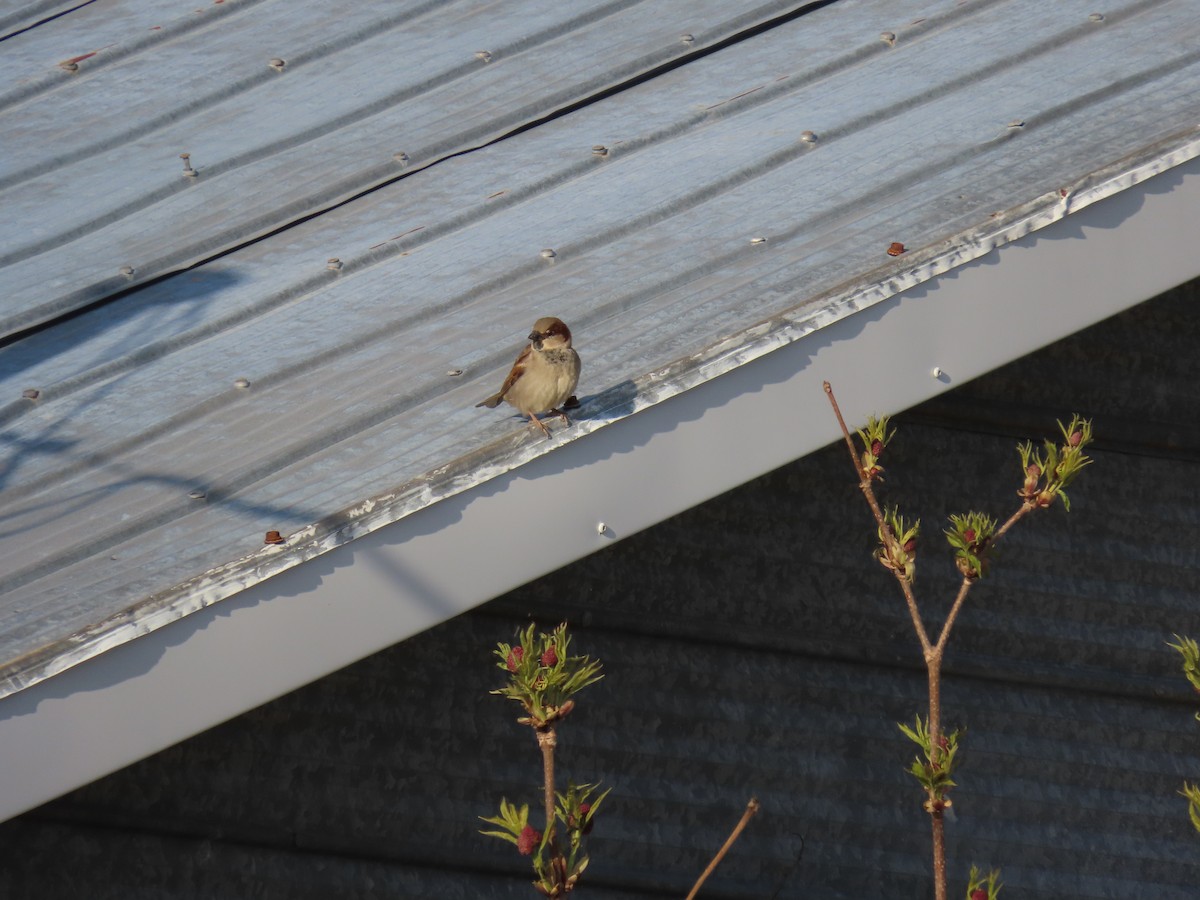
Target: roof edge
(650, 389)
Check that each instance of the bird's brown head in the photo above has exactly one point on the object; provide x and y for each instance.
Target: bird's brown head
(550, 333)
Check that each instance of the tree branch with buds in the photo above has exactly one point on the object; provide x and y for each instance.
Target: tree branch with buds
(543, 678)
(1046, 474)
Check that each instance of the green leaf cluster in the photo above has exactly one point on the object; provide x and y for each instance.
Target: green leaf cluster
(1190, 652)
(576, 810)
(899, 553)
(1050, 470)
(989, 883)
(875, 437)
(543, 675)
(971, 537)
(1192, 793)
(512, 821)
(935, 766)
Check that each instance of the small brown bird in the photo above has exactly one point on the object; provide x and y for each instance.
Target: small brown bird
(544, 376)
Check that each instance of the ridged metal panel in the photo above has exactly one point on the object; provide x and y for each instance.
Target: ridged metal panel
(977, 123)
(285, 109)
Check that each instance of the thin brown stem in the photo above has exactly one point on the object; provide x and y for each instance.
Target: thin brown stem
(864, 484)
(934, 724)
(965, 587)
(547, 741)
(751, 808)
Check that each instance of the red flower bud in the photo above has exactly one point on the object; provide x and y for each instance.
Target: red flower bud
(979, 894)
(1033, 470)
(910, 546)
(514, 658)
(573, 822)
(969, 535)
(1075, 438)
(550, 656)
(529, 839)
(876, 447)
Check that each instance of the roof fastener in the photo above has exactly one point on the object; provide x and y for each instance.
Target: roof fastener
(188, 171)
(1096, 17)
(277, 64)
(758, 240)
(198, 494)
(599, 150)
(127, 271)
(896, 249)
(401, 158)
(1017, 123)
(241, 383)
(333, 263)
(888, 37)
(69, 66)
(601, 528)
(687, 38)
(453, 373)
(809, 137)
(30, 394)
(548, 254)
(483, 55)
(936, 372)
(273, 537)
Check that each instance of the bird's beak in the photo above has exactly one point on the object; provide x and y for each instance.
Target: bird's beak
(536, 340)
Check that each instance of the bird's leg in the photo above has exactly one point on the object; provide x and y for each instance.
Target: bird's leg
(562, 415)
(538, 422)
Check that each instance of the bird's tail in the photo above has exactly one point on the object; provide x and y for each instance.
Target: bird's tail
(491, 402)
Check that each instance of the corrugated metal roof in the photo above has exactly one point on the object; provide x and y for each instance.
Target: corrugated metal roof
(742, 200)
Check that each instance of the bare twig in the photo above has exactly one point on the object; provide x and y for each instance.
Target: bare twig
(751, 808)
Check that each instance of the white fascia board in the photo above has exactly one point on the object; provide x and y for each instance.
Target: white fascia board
(363, 596)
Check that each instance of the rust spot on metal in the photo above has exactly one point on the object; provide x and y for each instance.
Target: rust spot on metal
(896, 249)
(273, 537)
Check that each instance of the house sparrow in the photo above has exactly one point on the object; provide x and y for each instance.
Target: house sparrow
(544, 376)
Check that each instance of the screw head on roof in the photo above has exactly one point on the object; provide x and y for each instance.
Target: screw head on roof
(198, 494)
(69, 66)
(453, 373)
(30, 394)
(548, 253)
(687, 38)
(936, 371)
(758, 240)
(599, 150)
(1096, 17)
(888, 37)
(809, 137)
(483, 55)
(401, 158)
(333, 263)
(127, 271)
(273, 537)
(1017, 123)
(601, 528)
(241, 383)
(188, 171)
(896, 248)
(277, 64)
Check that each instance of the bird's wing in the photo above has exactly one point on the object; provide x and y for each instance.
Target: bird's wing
(518, 370)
